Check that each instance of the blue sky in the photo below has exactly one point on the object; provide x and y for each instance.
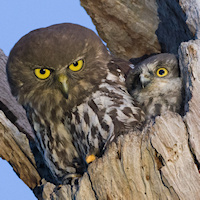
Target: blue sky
(18, 17)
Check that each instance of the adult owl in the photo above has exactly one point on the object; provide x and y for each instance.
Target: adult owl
(74, 94)
(156, 84)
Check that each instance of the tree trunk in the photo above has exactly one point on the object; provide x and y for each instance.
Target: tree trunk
(160, 162)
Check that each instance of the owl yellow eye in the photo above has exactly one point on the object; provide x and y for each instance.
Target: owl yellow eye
(42, 73)
(161, 72)
(76, 66)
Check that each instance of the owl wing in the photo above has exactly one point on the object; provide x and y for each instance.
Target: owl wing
(119, 67)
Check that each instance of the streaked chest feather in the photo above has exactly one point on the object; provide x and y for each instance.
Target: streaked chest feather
(88, 127)
(108, 112)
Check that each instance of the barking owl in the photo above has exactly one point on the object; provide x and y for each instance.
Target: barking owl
(74, 94)
(156, 84)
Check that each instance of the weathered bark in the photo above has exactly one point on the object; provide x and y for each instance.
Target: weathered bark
(190, 65)
(8, 103)
(135, 28)
(162, 161)
(15, 149)
(14, 145)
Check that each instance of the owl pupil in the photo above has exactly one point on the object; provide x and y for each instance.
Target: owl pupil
(161, 72)
(75, 64)
(42, 71)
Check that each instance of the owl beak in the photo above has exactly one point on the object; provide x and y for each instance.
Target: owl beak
(145, 80)
(63, 85)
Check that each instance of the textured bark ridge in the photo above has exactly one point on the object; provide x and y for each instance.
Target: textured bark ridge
(13, 111)
(160, 162)
(14, 143)
(190, 64)
(135, 28)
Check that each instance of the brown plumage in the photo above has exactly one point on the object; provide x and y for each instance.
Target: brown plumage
(156, 84)
(74, 94)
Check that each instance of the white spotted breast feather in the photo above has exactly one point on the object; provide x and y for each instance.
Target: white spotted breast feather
(108, 112)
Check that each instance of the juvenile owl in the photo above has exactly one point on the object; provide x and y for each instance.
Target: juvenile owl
(156, 84)
(74, 94)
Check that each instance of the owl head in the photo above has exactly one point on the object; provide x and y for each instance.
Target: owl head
(158, 69)
(59, 64)
(156, 85)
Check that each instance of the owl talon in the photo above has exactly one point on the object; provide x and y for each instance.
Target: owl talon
(90, 158)
(70, 178)
(59, 186)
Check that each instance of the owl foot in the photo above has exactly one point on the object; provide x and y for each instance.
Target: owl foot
(70, 178)
(90, 158)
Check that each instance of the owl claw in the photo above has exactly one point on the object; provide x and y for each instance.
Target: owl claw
(90, 158)
(59, 186)
(70, 178)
